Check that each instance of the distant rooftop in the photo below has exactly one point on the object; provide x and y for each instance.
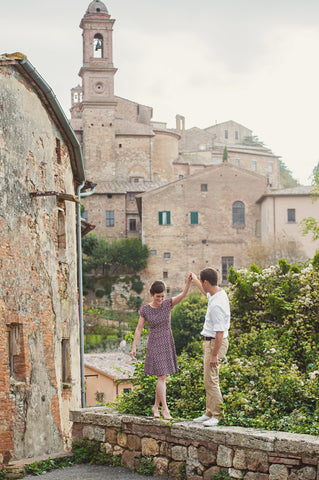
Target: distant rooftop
(118, 365)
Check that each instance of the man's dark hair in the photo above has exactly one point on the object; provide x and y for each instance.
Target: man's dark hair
(209, 274)
(157, 287)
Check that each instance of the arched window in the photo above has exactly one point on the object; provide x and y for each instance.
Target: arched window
(238, 213)
(98, 46)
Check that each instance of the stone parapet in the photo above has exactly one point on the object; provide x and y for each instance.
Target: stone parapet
(173, 447)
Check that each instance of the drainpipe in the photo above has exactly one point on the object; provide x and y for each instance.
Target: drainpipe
(80, 284)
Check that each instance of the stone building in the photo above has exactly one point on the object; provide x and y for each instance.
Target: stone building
(126, 152)
(40, 168)
(137, 161)
(208, 218)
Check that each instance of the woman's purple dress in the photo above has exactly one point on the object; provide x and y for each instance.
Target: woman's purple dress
(160, 353)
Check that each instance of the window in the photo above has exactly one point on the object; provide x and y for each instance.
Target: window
(226, 134)
(165, 274)
(270, 167)
(97, 46)
(291, 214)
(99, 397)
(227, 262)
(127, 390)
(153, 252)
(136, 180)
(237, 162)
(254, 165)
(58, 149)
(164, 218)
(180, 177)
(238, 214)
(61, 229)
(131, 197)
(109, 218)
(167, 255)
(16, 354)
(194, 218)
(132, 225)
(236, 135)
(203, 187)
(84, 215)
(66, 363)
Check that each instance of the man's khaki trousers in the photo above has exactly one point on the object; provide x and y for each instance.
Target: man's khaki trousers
(211, 377)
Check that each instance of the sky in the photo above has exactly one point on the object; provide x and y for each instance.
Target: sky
(251, 61)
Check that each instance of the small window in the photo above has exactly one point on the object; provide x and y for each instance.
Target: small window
(16, 354)
(120, 145)
(109, 195)
(66, 360)
(127, 390)
(254, 165)
(61, 229)
(270, 167)
(136, 180)
(236, 135)
(167, 255)
(226, 134)
(227, 262)
(58, 150)
(194, 218)
(291, 214)
(203, 187)
(153, 252)
(76, 97)
(238, 214)
(84, 215)
(165, 274)
(237, 162)
(180, 177)
(99, 397)
(109, 218)
(131, 197)
(132, 225)
(164, 218)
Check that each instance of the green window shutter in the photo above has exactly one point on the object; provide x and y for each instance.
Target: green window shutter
(168, 218)
(160, 218)
(194, 218)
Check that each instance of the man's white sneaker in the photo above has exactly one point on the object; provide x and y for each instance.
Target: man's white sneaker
(201, 419)
(212, 422)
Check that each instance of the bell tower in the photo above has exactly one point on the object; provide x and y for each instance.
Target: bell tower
(98, 102)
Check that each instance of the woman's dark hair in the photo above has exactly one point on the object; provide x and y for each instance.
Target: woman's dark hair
(157, 287)
(210, 275)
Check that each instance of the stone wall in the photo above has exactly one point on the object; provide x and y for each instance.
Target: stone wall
(245, 453)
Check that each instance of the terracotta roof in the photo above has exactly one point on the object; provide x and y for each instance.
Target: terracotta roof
(293, 191)
(118, 365)
(126, 187)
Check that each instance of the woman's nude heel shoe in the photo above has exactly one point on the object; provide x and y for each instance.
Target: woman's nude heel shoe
(155, 415)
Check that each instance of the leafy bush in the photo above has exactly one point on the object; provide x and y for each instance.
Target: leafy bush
(270, 378)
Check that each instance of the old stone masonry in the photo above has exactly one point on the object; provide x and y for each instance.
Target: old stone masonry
(246, 453)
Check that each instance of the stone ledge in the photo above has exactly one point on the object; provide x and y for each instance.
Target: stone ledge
(250, 438)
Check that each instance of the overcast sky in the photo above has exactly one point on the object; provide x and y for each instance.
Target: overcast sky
(252, 61)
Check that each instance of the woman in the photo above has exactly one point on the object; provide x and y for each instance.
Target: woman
(160, 357)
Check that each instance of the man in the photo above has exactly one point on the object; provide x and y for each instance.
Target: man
(215, 342)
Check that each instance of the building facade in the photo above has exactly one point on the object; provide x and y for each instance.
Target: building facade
(40, 169)
(126, 152)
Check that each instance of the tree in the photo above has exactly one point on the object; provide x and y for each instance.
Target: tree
(187, 321)
(270, 251)
(225, 155)
(126, 254)
(286, 178)
(310, 224)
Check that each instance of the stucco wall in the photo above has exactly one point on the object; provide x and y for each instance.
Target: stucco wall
(38, 285)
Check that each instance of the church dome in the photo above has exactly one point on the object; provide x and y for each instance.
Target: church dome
(97, 7)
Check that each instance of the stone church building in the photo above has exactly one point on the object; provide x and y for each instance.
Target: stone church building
(139, 163)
